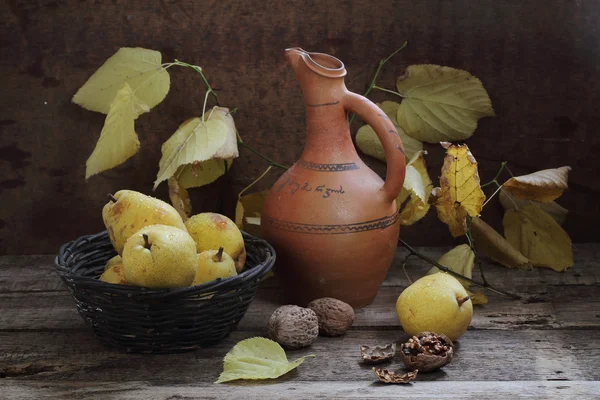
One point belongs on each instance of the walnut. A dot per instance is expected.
(293, 327)
(377, 354)
(427, 351)
(335, 316)
(388, 376)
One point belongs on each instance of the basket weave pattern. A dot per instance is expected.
(144, 320)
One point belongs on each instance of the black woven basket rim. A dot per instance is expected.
(66, 252)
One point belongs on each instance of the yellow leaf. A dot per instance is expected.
(477, 297)
(417, 185)
(441, 103)
(543, 186)
(248, 212)
(179, 198)
(368, 142)
(495, 246)
(197, 141)
(118, 140)
(538, 237)
(461, 260)
(461, 194)
(553, 208)
(257, 358)
(202, 173)
(140, 68)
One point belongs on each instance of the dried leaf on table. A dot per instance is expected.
(195, 142)
(543, 186)
(510, 202)
(377, 354)
(538, 237)
(461, 193)
(414, 196)
(141, 69)
(180, 199)
(388, 376)
(495, 246)
(368, 142)
(257, 358)
(460, 259)
(118, 140)
(441, 103)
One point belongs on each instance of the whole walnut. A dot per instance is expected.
(293, 327)
(335, 316)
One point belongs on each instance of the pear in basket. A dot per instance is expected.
(212, 231)
(129, 211)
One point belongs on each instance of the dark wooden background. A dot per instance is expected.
(538, 59)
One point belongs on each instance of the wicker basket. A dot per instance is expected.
(143, 320)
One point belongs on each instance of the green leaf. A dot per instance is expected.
(368, 142)
(118, 140)
(441, 103)
(140, 68)
(460, 259)
(196, 142)
(256, 358)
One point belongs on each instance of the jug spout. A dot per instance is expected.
(316, 72)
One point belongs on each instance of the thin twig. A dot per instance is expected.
(388, 91)
(377, 72)
(409, 255)
(469, 235)
(273, 163)
(456, 274)
(495, 180)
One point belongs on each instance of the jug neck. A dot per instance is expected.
(328, 138)
(321, 78)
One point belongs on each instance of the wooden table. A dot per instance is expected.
(544, 346)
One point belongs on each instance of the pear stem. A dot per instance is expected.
(112, 198)
(431, 261)
(463, 300)
(219, 256)
(146, 242)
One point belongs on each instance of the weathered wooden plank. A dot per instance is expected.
(480, 355)
(555, 306)
(36, 273)
(296, 390)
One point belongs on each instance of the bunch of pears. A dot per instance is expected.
(157, 249)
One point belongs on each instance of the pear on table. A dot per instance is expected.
(213, 264)
(435, 303)
(212, 231)
(160, 256)
(129, 211)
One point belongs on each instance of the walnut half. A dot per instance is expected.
(427, 351)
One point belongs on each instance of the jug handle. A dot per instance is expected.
(389, 138)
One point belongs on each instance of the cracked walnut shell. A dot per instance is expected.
(387, 376)
(427, 351)
(293, 327)
(377, 354)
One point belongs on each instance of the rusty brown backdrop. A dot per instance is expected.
(538, 59)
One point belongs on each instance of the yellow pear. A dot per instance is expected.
(113, 261)
(435, 303)
(114, 274)
(160, 256)
(213, 264)
(129, 211)
(211, 231)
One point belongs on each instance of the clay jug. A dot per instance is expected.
(332, 220)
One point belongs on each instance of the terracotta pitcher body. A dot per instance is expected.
(332, 220)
